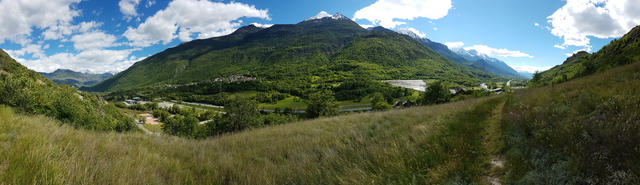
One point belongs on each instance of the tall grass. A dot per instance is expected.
(425, 145)
(584, 131)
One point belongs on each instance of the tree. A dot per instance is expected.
(322, 103)
(162, 114)
(180, 125)
(536, 77)
(378, 102)
(436, 93)
(241, 114)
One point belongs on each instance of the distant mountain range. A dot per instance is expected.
(324, 49)
(75, 79)
(525, 74)
(466, 57)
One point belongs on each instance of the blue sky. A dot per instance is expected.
(109, 36)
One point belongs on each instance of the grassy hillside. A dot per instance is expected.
(75, 79)
(413, 146)
(294, 58)
(580, 132)
(619, 52)
(34, 94)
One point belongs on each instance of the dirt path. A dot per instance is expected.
(141, 127)
(494, 144)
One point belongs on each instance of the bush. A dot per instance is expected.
(240, 114)
(436, 93)
(321, 103)
(120, 105)
(180, 126)
(379, 103)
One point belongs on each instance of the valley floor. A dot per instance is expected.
(581, 132)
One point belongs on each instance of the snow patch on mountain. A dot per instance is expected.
(324, 14)
(412, 32)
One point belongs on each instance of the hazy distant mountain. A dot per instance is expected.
(525, 74)
(75, 79)
(486, 63)
(286, 57)
(470, 58)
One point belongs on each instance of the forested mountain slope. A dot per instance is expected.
(326, 50)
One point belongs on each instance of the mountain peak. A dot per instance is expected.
(379, 28)
(576, 57)
(323, 15)
(409, 33)
(251, 28)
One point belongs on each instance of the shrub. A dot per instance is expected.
(436, 93)
(321, 103)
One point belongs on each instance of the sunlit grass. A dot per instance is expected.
(396, 147)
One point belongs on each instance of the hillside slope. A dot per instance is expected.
(581, 132)
(75, 79)
(584, 131)
(31, 93)
(313, 51)
(619, 52)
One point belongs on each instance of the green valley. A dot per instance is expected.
(530, 129)
(293, 59)
(222, 92)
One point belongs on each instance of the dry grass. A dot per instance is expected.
(396, 147)
(584, 131)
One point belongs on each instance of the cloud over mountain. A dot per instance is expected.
(578, 20)
(388, 13)
(192, 18)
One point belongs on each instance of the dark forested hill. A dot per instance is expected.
(325, 50)
(75, 79)
(31, 93)
(619, 52)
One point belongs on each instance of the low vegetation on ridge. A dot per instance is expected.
(33, 94)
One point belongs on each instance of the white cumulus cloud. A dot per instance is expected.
(200, 18)
(128, 8)
(91, 61)
(578, 20)
(497, 52)
(388, 13)
(34, 49)
(453, 45)
(93, 40)
(530, 69)
(20, 17)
